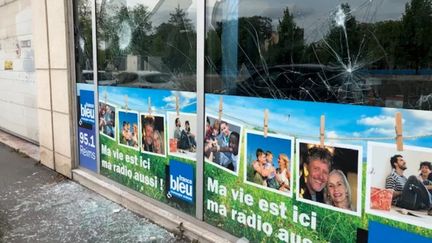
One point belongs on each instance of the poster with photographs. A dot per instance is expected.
(134, 143)
(182, 130)
(128, 130)
(398, 183)
(107, 120)
(334, 199)
(330, 176)
(153, 134)
(222, 143)
(268, 162)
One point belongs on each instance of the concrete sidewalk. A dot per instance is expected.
(39, 205)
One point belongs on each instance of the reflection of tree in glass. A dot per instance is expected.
(141, 27)
(128, 41)
(83, 37)
(288, 46)
(416, 37)
(345, 57)
(175, 42)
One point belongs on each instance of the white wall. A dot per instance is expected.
(379, 161)
(18, 92)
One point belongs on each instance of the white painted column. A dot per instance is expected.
(53, 74)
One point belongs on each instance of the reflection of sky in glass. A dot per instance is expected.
(162, 8)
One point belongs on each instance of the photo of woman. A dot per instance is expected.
(338, 190)
(157, 142)
(283, 174)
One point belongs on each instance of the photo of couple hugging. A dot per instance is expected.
(129, 134)
(326, 175)
(267, 161)
(221, 143)
(153, 134)
(128, 131)
(267, 175)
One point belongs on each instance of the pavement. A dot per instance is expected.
(40, 205)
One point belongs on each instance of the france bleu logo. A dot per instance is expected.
(87, 108)
(181, 181)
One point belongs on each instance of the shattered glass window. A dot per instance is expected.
(147, 43)
(371, 52)
(83, 41)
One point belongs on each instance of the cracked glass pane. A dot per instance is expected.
(147, 44)
(372, 52)
(83, 41)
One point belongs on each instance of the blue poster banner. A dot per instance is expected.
(181, 180)
(86, 128)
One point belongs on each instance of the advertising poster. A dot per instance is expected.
(287, 186)
(86, 126)
(149, 145)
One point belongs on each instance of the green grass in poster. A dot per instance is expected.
(331, 225)
(148, 177)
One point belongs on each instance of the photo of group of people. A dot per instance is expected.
(329, 176)
(181, 131)
(107, 119)
(182, 135)
(129, 129)
(221, 143)
(399, 183)
(267, 162)
(153, 134)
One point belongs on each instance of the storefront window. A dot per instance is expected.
(355, 52)
(147, 100)
(301, 103)
(146, 44)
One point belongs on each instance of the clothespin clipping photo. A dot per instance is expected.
(266, 122)
(322, 130)
(177, 105)
(220, 108)
(149, 107)
(399, 131)
(126, 102)
(106, 97)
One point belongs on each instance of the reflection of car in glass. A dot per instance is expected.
(304, 82)
(146, 79)
(105, 78)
